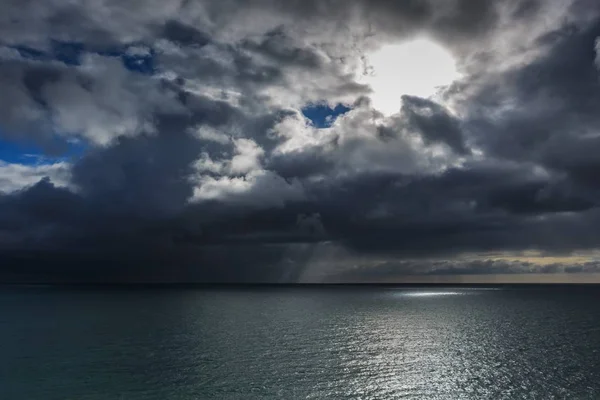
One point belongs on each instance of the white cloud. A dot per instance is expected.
(247, 157)
(210, 134)
(255, 187)
(15, 177)
(258, 189)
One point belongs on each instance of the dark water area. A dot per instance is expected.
(300, 343)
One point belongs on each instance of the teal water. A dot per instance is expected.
(329, 343)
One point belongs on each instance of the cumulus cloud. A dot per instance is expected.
(202, 163)
(15, 177)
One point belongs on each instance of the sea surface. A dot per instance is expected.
(300, 343)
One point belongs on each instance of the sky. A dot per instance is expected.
(300, 141)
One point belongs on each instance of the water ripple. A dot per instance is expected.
(339, 344)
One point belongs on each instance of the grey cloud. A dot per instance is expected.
(98, 23)
(21, 108)
(277, 46)
(97, 101)
(433, 122)
(301, 163)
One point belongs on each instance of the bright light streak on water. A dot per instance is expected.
(432, 294)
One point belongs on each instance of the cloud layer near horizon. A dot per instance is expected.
(199, 164)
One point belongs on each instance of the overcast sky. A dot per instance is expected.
(239, 141)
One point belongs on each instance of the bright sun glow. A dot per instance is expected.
(416, 68)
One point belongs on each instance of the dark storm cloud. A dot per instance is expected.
(201, 166)
(554, 98)
(145, 175)
(184, 35)
(552, 122)
(300, 164)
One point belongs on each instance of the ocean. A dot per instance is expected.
(300, 343)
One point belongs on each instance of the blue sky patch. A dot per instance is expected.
(67, 52)
(322, 116)
(31, 53)
(21, 152)
(140, 63)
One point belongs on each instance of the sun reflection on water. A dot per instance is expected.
(439, 292)
(432, 294)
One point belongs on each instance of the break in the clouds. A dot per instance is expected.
(301, 141)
